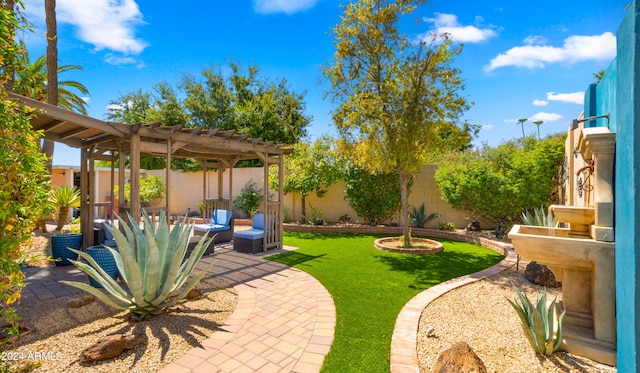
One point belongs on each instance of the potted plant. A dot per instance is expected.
(64, 198)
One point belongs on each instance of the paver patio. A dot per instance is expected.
(284, 320)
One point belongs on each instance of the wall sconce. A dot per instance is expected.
(574, 123)
(62, 173)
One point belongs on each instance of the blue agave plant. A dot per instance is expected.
(151, 263)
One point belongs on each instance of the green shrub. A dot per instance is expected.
(448, 226)
(249, 199)
(151, 264)
(537, 322)
(497, 183)
(151, 188)
(374, 197)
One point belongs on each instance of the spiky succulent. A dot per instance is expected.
(151, 263)
(537, 322)
(539, 218)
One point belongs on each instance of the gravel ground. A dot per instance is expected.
(63, 333)
(479, 314)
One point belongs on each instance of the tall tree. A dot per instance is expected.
(521, 121)
(31, 81)
(52, 70)
(538, 123)
(395, 96)
(246, 103)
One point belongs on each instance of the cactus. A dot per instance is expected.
(539, 218)
(151, 264)
(537, 322)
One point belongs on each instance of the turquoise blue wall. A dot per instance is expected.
(619, 94)
(616, 94)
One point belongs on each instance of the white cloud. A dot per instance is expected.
(106, 24)
(573, 98)
(487, 127)
(122, 60)
(540, 103)
(545, 117)
(575, 48)
(448, 23)
(282, 6)
(535, 40)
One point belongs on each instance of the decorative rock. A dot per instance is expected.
(111, 346)
(539, 274)
(474, 226)
(460, 358)
(80, 301)
(194, 294)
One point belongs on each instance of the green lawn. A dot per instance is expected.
(370, 287)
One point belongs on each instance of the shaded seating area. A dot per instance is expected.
(250, 240)
(221, 226)
(101, 235)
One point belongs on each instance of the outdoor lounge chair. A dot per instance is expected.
(101, 235)
(221, 225)
(250, 240)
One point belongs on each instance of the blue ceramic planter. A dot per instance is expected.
(105, 260)
(59, 248)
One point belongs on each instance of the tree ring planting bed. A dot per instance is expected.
(421, 245)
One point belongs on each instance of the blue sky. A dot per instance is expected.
(520, 59)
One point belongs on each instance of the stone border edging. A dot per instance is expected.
(404, 341)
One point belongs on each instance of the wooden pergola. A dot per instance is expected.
(212, 148)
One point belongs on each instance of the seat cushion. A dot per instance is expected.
(258, 221)
(222, 217)
(250, 234)
(210, 227)
(100, 223)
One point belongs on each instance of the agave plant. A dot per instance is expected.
(63, 198)
(537, 322)
(151, 264)
(419, 217)
(539, 218)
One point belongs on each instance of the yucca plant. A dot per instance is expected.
(539, 218)
(419, 217)
(537, 322)
(63, 198)
(151, 264)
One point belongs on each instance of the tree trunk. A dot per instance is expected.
(304, 209)
(52, 70)
(403, 180)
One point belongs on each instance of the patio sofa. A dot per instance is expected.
(221, 225)
(250, 240)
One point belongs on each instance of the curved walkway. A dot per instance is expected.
(404, 341)
(284, 320)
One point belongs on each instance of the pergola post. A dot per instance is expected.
(168, 179)
(134, 198)
(86, 226)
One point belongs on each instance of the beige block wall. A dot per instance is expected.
(186, 190)
(424, 189)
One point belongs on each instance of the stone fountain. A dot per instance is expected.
(581, 255)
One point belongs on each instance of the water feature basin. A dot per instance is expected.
(579, 218)
(586, 269)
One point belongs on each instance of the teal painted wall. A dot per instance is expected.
(618, 94)
(623, 97)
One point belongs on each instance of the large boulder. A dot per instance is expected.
(539, 274)
(460, 358)
(111, 346)
(474, 226)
